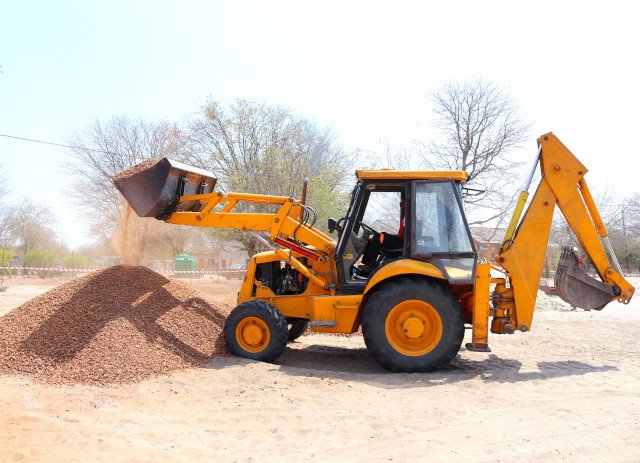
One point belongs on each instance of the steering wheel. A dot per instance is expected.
(340, 224)
(368, 228)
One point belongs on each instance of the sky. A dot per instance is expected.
(363, 68)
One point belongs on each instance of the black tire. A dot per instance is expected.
(256, 319)
(426, 352)
(297, 327)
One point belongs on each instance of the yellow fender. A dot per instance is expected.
(404, 267)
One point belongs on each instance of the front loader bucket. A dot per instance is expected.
(576, 287)
(153, 188)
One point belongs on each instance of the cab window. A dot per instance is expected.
(439, 223)
(383, 211)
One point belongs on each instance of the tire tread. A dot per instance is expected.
(401, 289)
(278, 330)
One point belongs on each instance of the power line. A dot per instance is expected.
(56, 144)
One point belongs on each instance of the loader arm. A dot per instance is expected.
(182, 195)
(285, 224)
(522, 256)
(285, 227)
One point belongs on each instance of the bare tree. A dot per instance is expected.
(4, 185)
(629, 222)
(621, 217)
(478, 125)
(257, 148)
(105, 149)
(6, 236)
(32, 226)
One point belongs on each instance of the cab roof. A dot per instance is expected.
(391, 174)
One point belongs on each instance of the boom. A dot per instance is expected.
(284, 226)
(180, 194)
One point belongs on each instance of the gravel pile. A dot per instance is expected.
(135, 169)
(119, 325)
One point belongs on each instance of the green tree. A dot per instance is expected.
(75, 260)
(257, 148)
(40, 258)
(6, 256)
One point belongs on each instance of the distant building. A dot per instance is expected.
(217, 260)
(488, 241)
(213, 255)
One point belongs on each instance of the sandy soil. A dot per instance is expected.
(567, 391)
(16, 294)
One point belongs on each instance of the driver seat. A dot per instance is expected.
(392, 254)
(355, 248)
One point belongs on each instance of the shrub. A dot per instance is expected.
(75, 261)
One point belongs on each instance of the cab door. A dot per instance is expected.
(439, 230)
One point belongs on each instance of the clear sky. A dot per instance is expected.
(362, 67)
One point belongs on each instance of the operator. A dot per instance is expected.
(380, 241)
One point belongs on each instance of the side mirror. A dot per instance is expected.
(332, 225)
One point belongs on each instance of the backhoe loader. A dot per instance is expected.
(414, 303)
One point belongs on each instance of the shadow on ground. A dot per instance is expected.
(356, 364)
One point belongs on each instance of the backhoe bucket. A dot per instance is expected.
(576, 287)
(154, 187)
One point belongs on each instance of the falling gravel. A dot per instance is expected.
(119, 325)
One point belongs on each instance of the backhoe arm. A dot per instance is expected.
(523, 256)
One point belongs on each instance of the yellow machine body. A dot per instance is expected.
(314, 254)
(339, 313)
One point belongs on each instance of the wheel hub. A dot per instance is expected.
(413, 327)
(252, 334)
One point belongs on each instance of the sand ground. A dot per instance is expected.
(567, 391)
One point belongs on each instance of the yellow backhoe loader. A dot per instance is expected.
(415, 295)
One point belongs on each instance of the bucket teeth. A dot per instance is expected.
(576, 287)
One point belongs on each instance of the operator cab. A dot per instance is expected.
(416, 215)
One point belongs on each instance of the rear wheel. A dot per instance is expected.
(413, 325)
(297, 327)
(256, 330)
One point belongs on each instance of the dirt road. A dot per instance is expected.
(567, 391)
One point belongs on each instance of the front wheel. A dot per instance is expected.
(256, 330)
(412, 325)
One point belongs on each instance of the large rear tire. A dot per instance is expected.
(413, 325)
(256, 330)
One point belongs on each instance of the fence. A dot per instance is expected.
(35, 270)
